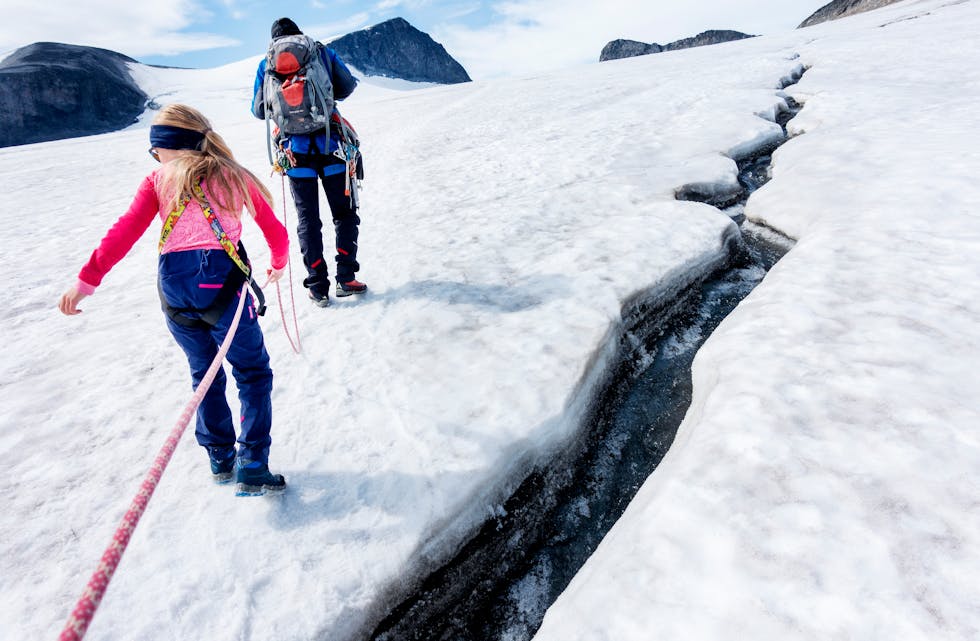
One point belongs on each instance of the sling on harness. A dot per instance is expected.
(207, 318)
(349, 152)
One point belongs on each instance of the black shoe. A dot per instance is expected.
(255, 479)
(350, 287)
(320, 300)
(222, 464)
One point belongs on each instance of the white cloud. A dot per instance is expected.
(234, 9)
(453, 10)
(333, 30)
(410, 5)
(128, 27)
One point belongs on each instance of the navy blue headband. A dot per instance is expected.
(169, 137)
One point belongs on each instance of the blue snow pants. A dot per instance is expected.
(309, 228)
(192, 279)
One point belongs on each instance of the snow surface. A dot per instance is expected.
(823, 484)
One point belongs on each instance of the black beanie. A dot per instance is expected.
(284, 27)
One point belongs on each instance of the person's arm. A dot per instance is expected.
(275, 233)
(344, 82)
(114, 246)
(258, 95)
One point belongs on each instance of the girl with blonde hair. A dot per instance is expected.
(199, 191)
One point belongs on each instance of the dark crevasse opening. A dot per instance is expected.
(501, 583)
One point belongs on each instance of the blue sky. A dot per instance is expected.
(489, 37)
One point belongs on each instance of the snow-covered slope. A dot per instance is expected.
(505, 223)
(825, 482)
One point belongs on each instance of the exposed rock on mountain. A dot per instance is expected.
(396, 49)
(712, 37)
(842, 9)
(50, 91)
(628, 48)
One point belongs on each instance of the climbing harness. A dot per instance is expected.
(348, 152)
(219, 232)
(192, 317)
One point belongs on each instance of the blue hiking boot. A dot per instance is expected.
(255, 479)
(222, 464)
(350, 287)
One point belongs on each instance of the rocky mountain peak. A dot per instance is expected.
(396, 49)
(50, 91)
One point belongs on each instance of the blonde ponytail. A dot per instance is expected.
(213, 163)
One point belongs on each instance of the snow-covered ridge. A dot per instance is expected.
(394, 48)
(222, 90)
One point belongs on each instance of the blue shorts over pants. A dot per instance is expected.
(192, 279)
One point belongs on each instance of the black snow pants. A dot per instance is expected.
(310, 228)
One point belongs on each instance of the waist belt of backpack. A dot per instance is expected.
(233, 281)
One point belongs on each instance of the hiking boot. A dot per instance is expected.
(350, 287)
(222, 464)
(255, 479)
(320, 300)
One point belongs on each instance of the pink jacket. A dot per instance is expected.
(191, 231)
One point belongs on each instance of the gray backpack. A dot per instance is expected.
(298, 89)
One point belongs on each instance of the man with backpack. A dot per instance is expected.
(296, 87)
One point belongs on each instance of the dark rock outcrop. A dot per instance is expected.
(396, 49)
(628, 48)
(711, 37)
(842, 9)
(50, 91)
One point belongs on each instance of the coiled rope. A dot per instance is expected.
(84, 610)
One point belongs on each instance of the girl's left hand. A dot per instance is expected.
(70, 300)
(274, 275)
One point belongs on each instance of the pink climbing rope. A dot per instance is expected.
(84, 610)
(297, 347)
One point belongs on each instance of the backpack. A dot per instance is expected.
(298, 88)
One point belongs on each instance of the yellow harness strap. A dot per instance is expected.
(215, 224)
